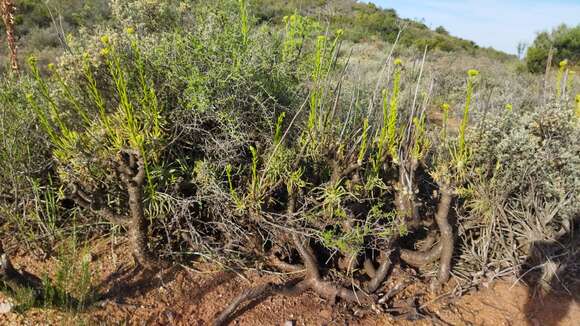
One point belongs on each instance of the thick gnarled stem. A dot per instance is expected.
(131, 170)
(442, 250)
(380, 274)
(315, 282)
(447, 239)
(421, 258)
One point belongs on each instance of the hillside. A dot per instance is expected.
(43, 28)
(366, 22)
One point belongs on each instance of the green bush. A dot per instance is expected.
(25, 161)
(206, 90)
(565, 42)
(524, 190)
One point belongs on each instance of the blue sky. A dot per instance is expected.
(497, 23)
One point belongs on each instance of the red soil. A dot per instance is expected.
(183, 296)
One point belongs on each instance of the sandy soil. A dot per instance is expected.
(187, 296)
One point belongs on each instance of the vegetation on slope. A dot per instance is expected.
(364, 22)
(44, 28)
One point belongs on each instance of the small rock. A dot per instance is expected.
(6, 307)
(290, 323)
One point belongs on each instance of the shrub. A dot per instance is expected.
(24, 161)
(182, 135)
(565, 42)
(144, 121)
(524, 191)
(441, 30)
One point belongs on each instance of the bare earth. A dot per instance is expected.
(180, 296)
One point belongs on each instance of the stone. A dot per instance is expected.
(6, 307)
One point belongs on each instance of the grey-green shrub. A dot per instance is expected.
(525, 188)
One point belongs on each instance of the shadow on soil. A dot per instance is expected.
(129, 283)
(553, 276)
(203, 289)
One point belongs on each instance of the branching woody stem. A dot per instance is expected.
(421, 258)
(380, 274)
(131, 170)
(447, 239)
(7, 7)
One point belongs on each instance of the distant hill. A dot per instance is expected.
(41, 27)
(366, 22)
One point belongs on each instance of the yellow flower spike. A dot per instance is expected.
(578, 106)
(559, 87)
(509, 107)
(130, 30)
(398, 62)
(105, 39)
(339, 32)
(445, 107)
(472, 72)
(105, 52)
(50, 66)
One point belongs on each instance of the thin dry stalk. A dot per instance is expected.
(8, 8)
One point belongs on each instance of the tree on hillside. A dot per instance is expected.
(441, 30)
(564, 40)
